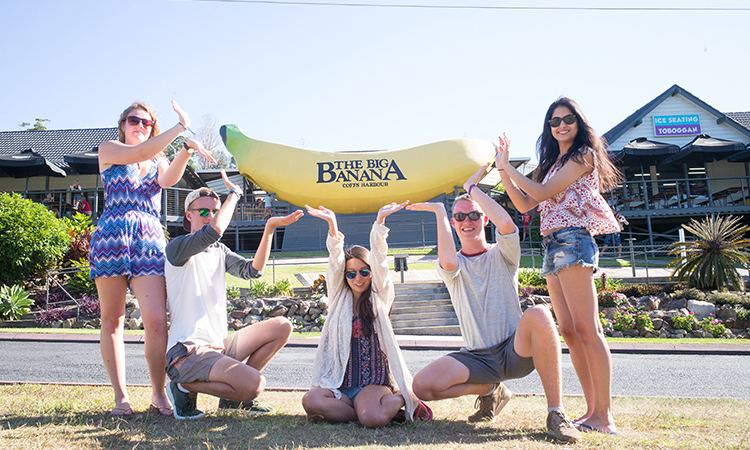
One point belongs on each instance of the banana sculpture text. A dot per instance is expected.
(356, 181)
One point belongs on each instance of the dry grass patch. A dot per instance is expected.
(77, 417)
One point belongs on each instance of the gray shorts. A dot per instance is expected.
(494, 364)
(188, 362)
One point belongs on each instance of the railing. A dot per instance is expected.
(680, 193)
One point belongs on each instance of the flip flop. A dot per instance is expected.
(588, 428)
(163, 410)
(120, 411)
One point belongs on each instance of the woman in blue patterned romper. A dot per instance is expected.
(128, 245)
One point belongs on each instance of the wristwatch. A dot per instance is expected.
(189, 149)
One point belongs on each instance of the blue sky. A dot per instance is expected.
(361, 78)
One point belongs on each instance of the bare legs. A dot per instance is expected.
(234, 380)
(151, 294)
(573, 297)
(536, 337)
(374, 406)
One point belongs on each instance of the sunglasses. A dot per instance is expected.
(474, 215)
(204, 211)
(554, 122)
(133, 121)
(352, 274)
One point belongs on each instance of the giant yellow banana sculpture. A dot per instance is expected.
(356, 181)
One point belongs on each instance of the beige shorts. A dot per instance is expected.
(188, 362)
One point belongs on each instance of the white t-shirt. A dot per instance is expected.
(484, 292)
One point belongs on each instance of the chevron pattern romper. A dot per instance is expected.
(129, 239)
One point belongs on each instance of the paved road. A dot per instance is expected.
(683, 375)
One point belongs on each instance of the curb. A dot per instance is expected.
(447, 343)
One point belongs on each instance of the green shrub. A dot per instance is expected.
(742, 313)
(258, 288)
(80, 231)
(685, 322)
(233, 292)
(531, 277)
(79, 281)
(713, 257)
(611, 299)
(690, 294)
(643, 320)
(623, 320)
(641, 290)
(724, 298)
(281, 287)
(14, 302)
(32, 239)
(713, 326)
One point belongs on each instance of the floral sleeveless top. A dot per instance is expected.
(579, 205)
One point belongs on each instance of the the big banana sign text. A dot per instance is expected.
(359, 181)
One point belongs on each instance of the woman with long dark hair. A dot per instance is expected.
(359, 372)
(573, 170)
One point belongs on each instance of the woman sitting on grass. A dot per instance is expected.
(358, 358)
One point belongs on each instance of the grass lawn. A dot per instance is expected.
(77, 417)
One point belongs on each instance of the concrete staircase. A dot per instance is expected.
(423, 309)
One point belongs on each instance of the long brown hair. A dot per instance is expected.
(548, 149)
(364, 306)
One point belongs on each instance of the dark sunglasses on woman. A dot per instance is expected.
(134, 121)
(474, 215)
(554, 122)
(352, 274)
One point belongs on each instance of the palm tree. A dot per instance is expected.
(711, 260)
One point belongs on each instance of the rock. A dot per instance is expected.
(726, 312)
(237, 314)
(291, 311)
(67, 323)
(630, 333)
(314, 312)
(617, 334)
(653, 302)
(323, 303)
(674, 304)
(700, 334)
(700, 309)
(303, 308)
(135, 314)
(277, 311)
(255, 311)
(134, 324)
(252, 320)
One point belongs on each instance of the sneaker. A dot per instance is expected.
(253, 407)
(561, 429)
(490, 405)
(184, 405)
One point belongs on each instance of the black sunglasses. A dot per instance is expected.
(474, 215)
(554, 122)
(134, 121)
(204, 211)
(352, 274)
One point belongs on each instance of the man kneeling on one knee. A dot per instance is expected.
(202, 357)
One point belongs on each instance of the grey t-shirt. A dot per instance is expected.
(484, 292)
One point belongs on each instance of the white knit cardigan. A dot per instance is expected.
(335, 340)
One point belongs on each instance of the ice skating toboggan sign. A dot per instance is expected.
(357, 181)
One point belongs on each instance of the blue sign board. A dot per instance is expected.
(688, 125)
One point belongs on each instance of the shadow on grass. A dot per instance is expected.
(148, 430)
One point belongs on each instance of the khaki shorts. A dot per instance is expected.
(188, 362)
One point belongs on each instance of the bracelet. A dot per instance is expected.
(234, 191)
(188, 148)
(183, 125)
(472, 185)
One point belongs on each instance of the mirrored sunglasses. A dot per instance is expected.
(474, 215)
(134, 121)
(352, 274)
(554, 122)
(204, 211)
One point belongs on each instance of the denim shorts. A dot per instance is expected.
(567, 247)
(612, 239)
